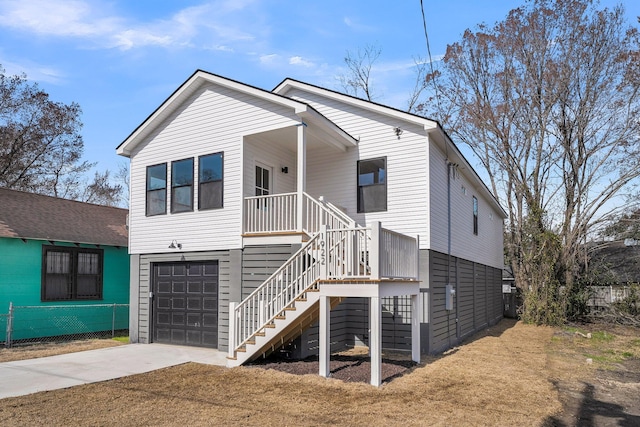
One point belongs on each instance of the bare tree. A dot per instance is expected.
(357, 80)
(101, 191)
(549, 101)
(41, 146)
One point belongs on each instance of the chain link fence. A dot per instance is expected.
(55, 323)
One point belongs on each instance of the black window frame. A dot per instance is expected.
(475, 215)
(202, 182)
(74, 276)
(175, 186)
(150, 191)
(361, 188)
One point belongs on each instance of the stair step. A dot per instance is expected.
(301, 299)
(250, 342)
(280, 317)
(241, 350)
(259, 334)
(289, 309)
(232, 358)
(270, 325)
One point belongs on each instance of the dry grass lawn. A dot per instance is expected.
(499, 378)
(53, 349)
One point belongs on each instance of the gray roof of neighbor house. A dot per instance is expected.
(34, 216)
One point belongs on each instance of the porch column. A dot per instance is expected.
(324, 350)
(415, 328)
(301, 173)
(375, 340)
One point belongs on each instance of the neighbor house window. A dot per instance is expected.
(475, 215)
(157, 189)
(182, 185)
(372, 185)
(210, 181)
(71, 273)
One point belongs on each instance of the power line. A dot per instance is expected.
(426, 36)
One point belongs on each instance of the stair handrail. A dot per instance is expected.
(336, 218)
(259, 313)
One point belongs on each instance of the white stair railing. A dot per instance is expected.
(295, 277)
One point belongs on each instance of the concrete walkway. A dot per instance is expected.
(67, 370)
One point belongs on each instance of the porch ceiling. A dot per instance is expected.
(288, 137)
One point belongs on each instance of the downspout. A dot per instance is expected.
(449, 165)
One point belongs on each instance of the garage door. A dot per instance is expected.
(185, 303)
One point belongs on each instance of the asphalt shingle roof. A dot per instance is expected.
(34, 216)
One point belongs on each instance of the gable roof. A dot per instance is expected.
(336, 135)
(35, 216)
(432, 127)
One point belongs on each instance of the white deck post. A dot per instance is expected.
(325, 316)
(374, 250)
(415, 328)
(375, 340)
(232, 329)
(301, 174)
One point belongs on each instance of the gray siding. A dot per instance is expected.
(260, 262)
(477, 303)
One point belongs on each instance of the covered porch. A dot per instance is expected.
(276, 203)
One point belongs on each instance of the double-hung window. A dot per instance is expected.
(210, 181)
(71, 273)
(182, 185)
(372, 185)
(157, 189)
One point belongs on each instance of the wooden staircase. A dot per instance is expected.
(287, 303)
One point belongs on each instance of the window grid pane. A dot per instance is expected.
(71, 273)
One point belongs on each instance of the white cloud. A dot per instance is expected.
(218, 23)
(354, 25)
(34, 72)
(270, 59)
(298, 60)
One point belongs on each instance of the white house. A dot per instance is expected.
(306, 219)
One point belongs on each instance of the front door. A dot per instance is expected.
(264, 175)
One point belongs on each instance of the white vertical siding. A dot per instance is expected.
(333, 173)
(214, 119)
(486, 247)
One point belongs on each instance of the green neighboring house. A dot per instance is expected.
(57, 255)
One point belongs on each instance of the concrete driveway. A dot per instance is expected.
(67, 370)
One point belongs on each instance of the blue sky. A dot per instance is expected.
(120, 59)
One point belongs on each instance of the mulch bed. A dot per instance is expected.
(344, 367)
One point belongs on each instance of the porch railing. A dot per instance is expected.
(271, 214)
(354, 253)
(278, 213)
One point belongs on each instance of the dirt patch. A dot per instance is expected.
(596, 369)
(52, 349)
(511, 374)
(349, 366)
(498, 378)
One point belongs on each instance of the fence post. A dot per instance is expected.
(7, 342)
(113, 321)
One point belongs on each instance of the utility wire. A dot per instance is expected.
(426, 36)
